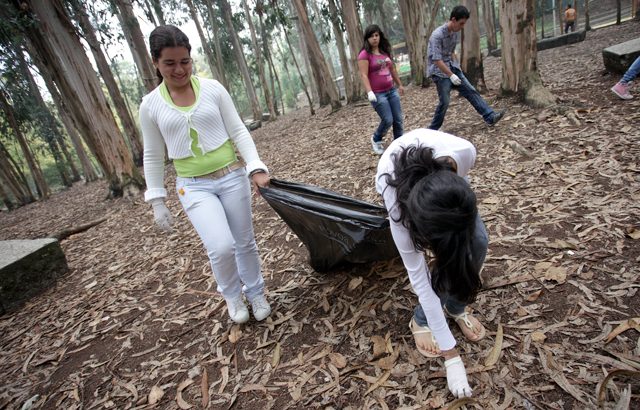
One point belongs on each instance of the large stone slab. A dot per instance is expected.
(28, 267)
(618, 58)
(553, 42)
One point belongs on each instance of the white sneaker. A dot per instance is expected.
(238, 310)
(378, 148)
(260, 307)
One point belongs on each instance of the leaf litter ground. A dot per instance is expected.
(136, 323)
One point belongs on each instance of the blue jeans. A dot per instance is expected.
(632, 72)
(479, 246)
(390, 112)
(466, 90)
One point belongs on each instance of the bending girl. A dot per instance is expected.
(422, 178)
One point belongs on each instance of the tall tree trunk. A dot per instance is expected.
(205, 44)
(130, 129)
(15, 180)
(62, 53)
(489, 24)
(471, 57)
(587, 18)
(344, 60)
(519, 69)
(304, 52)
(157, 7)
(4, 196)
(315, 54)
(147, 11)
(135, 39)
(34, 167)
(418, 19)
(242, 63)
(618, 12)
(266, 44)
(323, 46)
(636, 9)
(293, 56)
(259, 61)
(355, 37)
(216, 44)
(75, 175)
(87, 167)
(50, 130)
(384, 24)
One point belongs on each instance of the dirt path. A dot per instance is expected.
(137, 318)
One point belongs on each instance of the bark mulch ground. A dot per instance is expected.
(137, 323)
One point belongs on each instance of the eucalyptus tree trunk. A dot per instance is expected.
(471, 57)
(489, 24)
(216, 44)
(63, 111)
(205, 44)
(355, 37)
(52, 134)
(242, 63)
(519, 68)
(587, 16)
(63, 56)
(135, 39)
(4, 196)
(418, 19)
(315, 54)
(14, 179)
(36, 172)
(304, 84)
(259, 61)
(618, 13)
(323, 46)
(131, 132)
(344, 60)
(157, 7)
(266, 44)
(149, 13)
(384, 24)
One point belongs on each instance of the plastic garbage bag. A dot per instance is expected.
(336, 229)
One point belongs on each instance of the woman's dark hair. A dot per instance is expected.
(384, 44)
(166, 36)
(439, 210)
(459, 13)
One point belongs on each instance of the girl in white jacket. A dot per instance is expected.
(195, 119)
(422, 178)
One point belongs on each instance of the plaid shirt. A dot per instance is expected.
(442, 43)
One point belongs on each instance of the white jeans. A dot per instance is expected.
(220, 211)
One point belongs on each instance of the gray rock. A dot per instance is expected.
(618, 58)
(28, 267)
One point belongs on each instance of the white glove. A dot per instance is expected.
(161, 214)
(455, 79)
(372, 97)
(457, 378)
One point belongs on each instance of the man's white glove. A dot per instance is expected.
(161, 214)
(372, 97)
(455, 79)
(457, 378)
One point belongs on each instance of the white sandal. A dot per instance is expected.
(464, 317)
(422, 330)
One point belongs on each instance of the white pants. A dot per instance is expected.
(220, 211)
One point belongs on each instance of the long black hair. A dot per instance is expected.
(439, 210)
(166, 36)
(384, 44)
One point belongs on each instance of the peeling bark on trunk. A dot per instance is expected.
(344, 60)
(489, 24)
(259, 61)
(36, 172)
(216, 44)
(135, 39)
(130, 129)
(14, 178)
(355, 37)
(57, 46)
(418, 19)
(203, 40)
(242, 63)
(519, 71)
(471, 57)
(315, 54)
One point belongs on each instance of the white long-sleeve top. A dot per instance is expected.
(213, 116)
(444, 145)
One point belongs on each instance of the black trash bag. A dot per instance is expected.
(336, 229)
